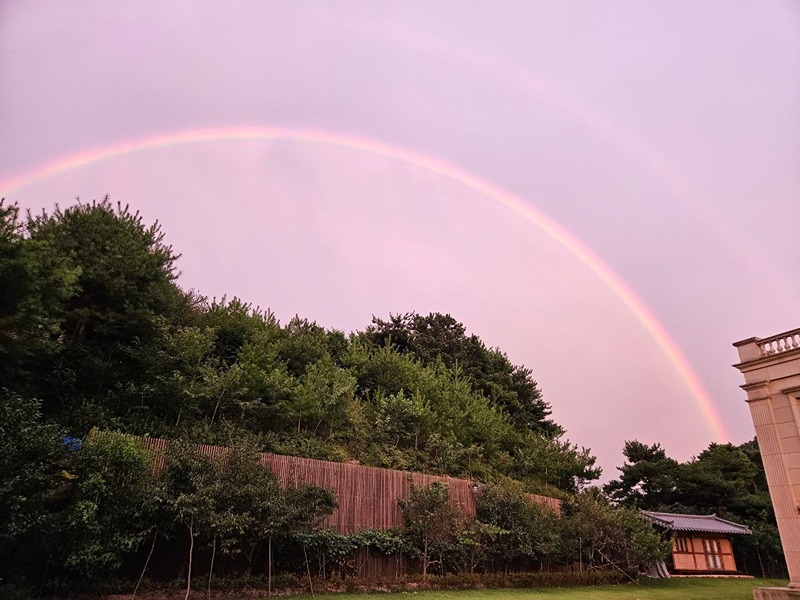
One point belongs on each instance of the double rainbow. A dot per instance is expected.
(427, 163)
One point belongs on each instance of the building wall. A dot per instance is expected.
(695, 558)
(771, 369)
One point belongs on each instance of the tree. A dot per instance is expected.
(431, 522)
(402, 420)
(325, 400)
(717, 479)
(530, 531)
(31, 456)
(36, 281)
(438, 337)
(234, 324)
(251, 508)
(303, 343)
(553, 462)
(104, 519)
(189, 486)
(648, 480)
(125, 285)
(246, 501)
(612, 536)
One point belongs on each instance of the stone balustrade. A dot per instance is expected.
(783, 342)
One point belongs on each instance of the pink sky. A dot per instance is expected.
(665, 137)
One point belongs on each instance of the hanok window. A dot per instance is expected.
(682, 544)
(713, 554)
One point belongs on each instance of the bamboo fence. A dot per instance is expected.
(367, 496)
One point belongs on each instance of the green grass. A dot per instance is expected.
(672, 589)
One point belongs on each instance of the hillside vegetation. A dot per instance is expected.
(96, 327)
(97, 334)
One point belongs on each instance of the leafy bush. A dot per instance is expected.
(105, 517)
(10, 591)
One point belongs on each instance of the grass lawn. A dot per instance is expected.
(660, 589)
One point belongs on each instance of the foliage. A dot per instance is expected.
(99, 330)
(440, 338)
(431, 522)
(104, 518)
(530, 532)
(247, 504)
(610, 535)
(10, 591)
(95, 334)
(230, 499)
(36, 281)
(648, 480)
(334, 553)
(124, 286)
(31, 456)
(553, 462)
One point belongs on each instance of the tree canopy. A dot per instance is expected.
(98, 329)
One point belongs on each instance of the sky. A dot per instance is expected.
(608, 191)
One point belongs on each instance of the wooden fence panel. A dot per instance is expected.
(367, 496)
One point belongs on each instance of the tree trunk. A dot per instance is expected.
(146, 564)
(216, 407)
(308, 570)
(44, 577)
(211, 569)
(191, 553)
(248, 572)
(269, 567)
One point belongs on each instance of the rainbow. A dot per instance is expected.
(427, 163)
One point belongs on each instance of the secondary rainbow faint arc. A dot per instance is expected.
(432, 165)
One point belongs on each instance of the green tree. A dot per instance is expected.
(530, 531)
(612, 536)
(249, 506)
(553, 462)
(438, 337)
(234, 324)
(648, 479)
(716, 479)
(189, 486)
(325, 401)
(431, 522)
(246, 501)
(36, 281)
(402, 420)
(31, 457)
(104, 520)
(125, 286)
(303, 343)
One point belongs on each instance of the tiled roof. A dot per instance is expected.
(699, 523)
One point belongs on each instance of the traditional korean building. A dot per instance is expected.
(701, 545)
